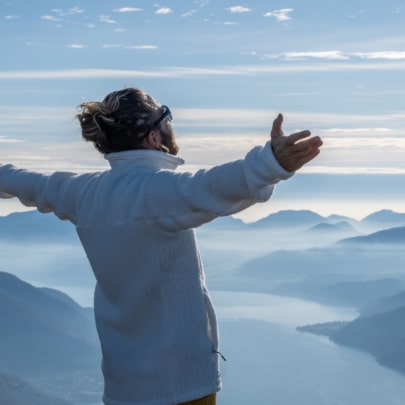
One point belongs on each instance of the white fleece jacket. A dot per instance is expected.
(154, 316)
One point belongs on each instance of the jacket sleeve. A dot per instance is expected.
(222, 190)
(48, 193)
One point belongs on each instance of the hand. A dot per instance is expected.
(292, 152)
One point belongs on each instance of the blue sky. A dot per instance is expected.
(226, 69)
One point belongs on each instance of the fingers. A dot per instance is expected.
(293, 138)
(293, 151)
(276, 129)
(314, 142)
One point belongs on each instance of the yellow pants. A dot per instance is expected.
(209, 400)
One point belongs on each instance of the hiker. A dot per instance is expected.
(154, 315)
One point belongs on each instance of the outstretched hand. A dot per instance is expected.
(293, 151)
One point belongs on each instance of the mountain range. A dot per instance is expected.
(380, 333)
(46, 339)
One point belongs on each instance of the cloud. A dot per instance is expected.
(147, 47)
(179, 71)
(239, 9)
(106, 19)
(127, 10)
(329, 55)
(11, 17)
(164, 10)
(200, 3)
(189, 13)
(70, 11)
(280, 15)
(4, 139)
(230, 23)
(50, 18)
(360, 147)
(107, 46)
(391, 55)
(337, 55)
(77, 46)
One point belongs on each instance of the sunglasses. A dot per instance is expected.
(165, 114)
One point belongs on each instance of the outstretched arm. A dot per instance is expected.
(293, 151)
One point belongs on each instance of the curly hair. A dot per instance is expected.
(120, 122)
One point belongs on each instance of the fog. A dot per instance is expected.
(267, 278)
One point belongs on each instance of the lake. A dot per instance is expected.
(269, 362)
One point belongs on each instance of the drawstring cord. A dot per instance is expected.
(220, 354)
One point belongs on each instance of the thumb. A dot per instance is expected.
(276, 129)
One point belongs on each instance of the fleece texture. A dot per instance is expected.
(154, 315)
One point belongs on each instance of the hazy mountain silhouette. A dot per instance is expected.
(383, 335)
(43, 330)
(62, 337)
(336, 274)
(393, 236)
(385, 217)
(379, 330)
(48, 340)
(14, 391)
(341, 218)
(384, 304)
(340, 226)
(290, 219)
(35, 227)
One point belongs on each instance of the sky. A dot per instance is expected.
(225, 68)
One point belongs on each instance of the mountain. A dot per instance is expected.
(48, 340)
(383, 335)
(35, 227)
(351, 272)
(340, 226)
(358, 294)
(385, 304)
(43, 330)
(385, 218)
(14, 391)
(341, 218)
(393, 237)
(290, 219)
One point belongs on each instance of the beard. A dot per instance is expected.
(169, 144)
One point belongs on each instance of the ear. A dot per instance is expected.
(152, 140)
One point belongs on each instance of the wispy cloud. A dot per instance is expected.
(189, 13)
(4, 139)
(354, 148)
(239, 9)
(68, 12)
(11, 17)
(50, 18)
(77, 46)
(393, 55)
(164, 10)
(127, 10)
(109, 46)
(106, 19)
(280, 15)
(179, 71)
(337, 55)
(147, 47)
(200, 3)
(328, 55)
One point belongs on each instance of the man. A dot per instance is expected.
(154, 316)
